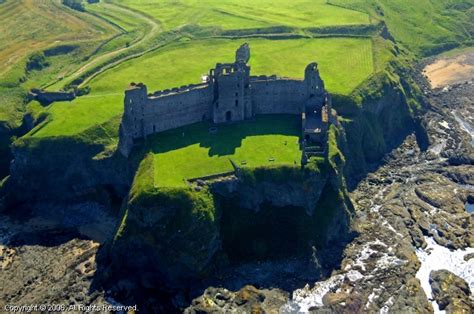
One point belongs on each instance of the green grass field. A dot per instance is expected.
(423, 26)
(33, 25)
(118, 29)
(344, 64)
(242, 14)
(70, 118)
(192, 151)
(30, 26)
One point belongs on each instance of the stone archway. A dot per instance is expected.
(228, 116)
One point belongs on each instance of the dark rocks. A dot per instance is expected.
(65, 170)
(246, 300)
(174, 235)
(331, 299)
(38, 266)
(451, 292)
(289, 193)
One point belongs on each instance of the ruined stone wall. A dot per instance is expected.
(230, 94)
(272, 95)
(47, 98)
(174, 109)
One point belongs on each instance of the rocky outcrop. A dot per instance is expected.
(51, 259)
(264, 214)
(5, 154)
(175, 234)
(63, 169)
(451, 292)
(250, 193)
(247, 300)
(378, 116)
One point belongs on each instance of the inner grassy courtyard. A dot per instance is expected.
(195, 151)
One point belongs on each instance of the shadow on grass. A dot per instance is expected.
(227, 138)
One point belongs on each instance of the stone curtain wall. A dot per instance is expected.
(230, 95)
(272, 96)
(177, 109)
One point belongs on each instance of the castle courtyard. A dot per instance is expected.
(193, 151)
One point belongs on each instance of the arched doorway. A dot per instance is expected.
(228, 116)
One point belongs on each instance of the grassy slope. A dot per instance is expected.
(140, 33)
(43, 23)
(423, 26)
(242, 14)
(28, 26)
(192, 151)
(344, 64)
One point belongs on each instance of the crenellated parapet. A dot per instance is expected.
(228, 94)
(177, 90)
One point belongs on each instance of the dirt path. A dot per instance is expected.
(450, 70)
(45, 24)
(154, 29)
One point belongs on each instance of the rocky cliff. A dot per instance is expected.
(66, 169)
(169, 240)
(376, 118)
(5, 153)
(183, 235)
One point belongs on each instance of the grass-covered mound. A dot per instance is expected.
(174, 230)
(184, 232)
(241, 14)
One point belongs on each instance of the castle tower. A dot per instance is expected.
(231, 85)
(314, 83)
(132, 118)
(317, 107)
(243, 53)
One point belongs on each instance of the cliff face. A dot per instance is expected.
(379, 117)
(267, 213)
(5, 154)
(63, 169)
(174, 234)
(278, 186)
(179, 236)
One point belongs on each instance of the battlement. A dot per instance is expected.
(272, 78)
(228, 94)
(177, 90)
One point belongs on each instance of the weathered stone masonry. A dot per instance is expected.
(229, 94)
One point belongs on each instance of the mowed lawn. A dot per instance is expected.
(70, 118)
(344, 63)
(193, 151)
(244, 14)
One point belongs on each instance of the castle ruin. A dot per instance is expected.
(228, 94)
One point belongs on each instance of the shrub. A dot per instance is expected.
(75, 5)
(36, 61)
